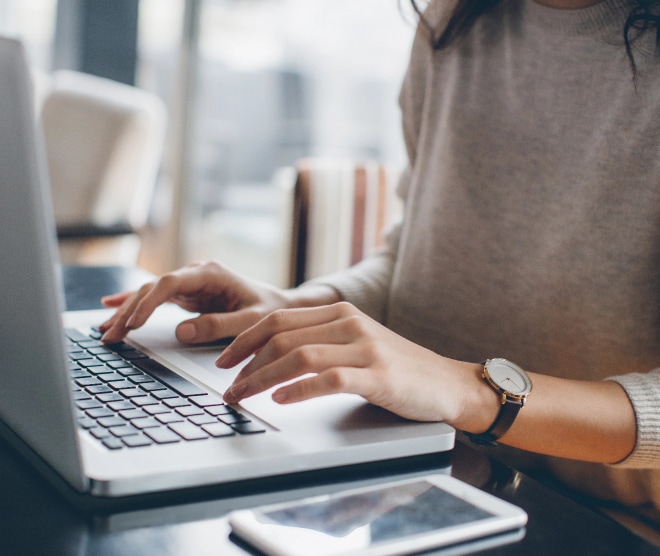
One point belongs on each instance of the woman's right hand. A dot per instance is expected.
(228, 302)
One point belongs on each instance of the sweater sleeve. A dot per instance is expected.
(643, 389)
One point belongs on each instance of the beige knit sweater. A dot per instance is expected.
(532, 222)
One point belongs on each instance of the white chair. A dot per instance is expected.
(104, 143)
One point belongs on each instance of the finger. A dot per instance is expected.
(212, 327)
(278, 322)
(304, 360)
(162, 291)
(115, 300)
(304, 343)
(153, 295)
(115, 318)
(333, 381)
(118, 325)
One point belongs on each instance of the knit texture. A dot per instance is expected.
(532, 219)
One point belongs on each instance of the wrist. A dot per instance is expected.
(481, 404)
(312, 295)
(512, 385)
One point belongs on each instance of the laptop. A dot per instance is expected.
(52, 391)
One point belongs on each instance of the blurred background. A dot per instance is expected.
(249, 88)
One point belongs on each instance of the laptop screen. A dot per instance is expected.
(35, 398)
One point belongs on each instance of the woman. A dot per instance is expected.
(530, 233)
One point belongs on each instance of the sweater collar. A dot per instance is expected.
(599, 18)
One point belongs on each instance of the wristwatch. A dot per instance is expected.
(513, 385)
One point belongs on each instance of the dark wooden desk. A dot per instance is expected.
(35, 519)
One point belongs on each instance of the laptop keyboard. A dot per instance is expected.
(124, 399)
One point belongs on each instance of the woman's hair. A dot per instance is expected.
(642, 17)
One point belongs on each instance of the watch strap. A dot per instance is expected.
(503, 421)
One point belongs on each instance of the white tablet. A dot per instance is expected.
(393, 518)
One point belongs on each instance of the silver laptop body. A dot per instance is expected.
(36, 403)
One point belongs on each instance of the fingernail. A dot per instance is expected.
(186, 332)
(130, 323)
(224, 359)
(280, 396)
(235, 393)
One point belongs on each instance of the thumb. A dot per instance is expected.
(212, 327)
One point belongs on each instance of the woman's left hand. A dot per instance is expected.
(346, 351)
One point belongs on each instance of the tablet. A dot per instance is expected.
(399, 517)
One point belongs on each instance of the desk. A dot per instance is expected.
(36, 520)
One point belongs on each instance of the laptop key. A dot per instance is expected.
(142, 401)
(119, 364)
(113, 443)
(133, 354)
(132, 414)
(218, 410)
(164, 394)
(188, 431)
(91, 344)
(81, 395)
(121, 404)
(100, 412)
(156, 409)
(206, 400)
(145, 380)
(96, 334)
(176, 402)
(137, 441)
(88, 362)
(87, 422)
(131, 392)
(105, 357)
(145, 423)
(162, 435)
(75, 335)
(100, 433)
(106, 398)
(173, 380)
(120, 384)
(96, 350)
(88, 381)
(150, 386)
(167, 418)
(218, 430)
(189, 410)
(126, 430)
(111, 376)
(233, 418)
(99, 370)
(102, 389)
(202, 419)
(88, 404)
(113, 421)
(248, 428)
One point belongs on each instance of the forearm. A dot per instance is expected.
(590, 421)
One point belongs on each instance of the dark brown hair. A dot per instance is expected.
(642, 17)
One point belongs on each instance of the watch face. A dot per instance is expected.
(509, 377)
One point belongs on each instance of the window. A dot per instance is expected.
(276, 80)
(34, 22)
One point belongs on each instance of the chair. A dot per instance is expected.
(340, 212)
(104, 142)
